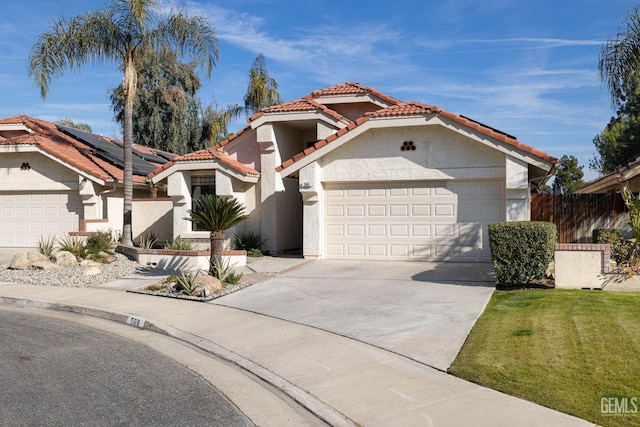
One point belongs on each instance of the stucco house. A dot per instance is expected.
(347, 172)
(56, 180)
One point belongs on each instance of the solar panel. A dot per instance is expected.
(113, 152)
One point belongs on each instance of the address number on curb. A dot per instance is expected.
(138, 322)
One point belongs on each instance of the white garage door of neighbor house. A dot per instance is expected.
(418, 221)
(24, 218)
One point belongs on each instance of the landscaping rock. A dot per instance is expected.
(110, 258)
(20, 261)
(64, 258)
(44, 265)
(89, 263)
(208, 284)
(34, 256)
(92, 271)
(24, 260)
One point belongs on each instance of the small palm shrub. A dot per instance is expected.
(179, 244)
(73, 244)
(216, 214)
(248, 240)
(147, 240)
(521, 251)
(46, 245)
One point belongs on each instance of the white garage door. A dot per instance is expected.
(420, 221)
(26, 217)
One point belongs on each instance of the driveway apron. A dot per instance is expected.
(421, 310)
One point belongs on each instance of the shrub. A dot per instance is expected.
(100, 242)
(521, 251)
(620, 250)
(73, 244)
(179, 244)
(248, 240)
(254, 253)
(46, 245)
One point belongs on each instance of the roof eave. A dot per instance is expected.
(205, 164)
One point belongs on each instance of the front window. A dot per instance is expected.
(201, 184)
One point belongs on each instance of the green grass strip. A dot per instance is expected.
(574, 351)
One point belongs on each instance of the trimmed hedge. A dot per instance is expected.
(521, 251)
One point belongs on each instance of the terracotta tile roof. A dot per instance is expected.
(351, 88)
(209, 154)
(59, 145)
(232, 137)
(299, 106)
(413, 108)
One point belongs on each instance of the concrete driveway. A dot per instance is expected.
(421, 310)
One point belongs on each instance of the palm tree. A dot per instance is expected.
(620, 57)
(120, 33)
(263, 89)
(218, 119)
(216, 214)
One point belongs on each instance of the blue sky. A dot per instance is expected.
(527, 67)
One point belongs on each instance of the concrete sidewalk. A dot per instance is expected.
(342, 381)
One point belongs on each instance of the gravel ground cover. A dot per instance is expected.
(70, 276)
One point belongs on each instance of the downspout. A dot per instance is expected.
(112, 189)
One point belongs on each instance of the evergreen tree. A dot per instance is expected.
(167, 115)
(569, 175)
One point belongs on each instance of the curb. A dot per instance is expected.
(320, 409)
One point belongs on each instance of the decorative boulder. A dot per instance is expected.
(64, 258)
(207, 285)
(24, 260)
(34, 256)
(20, 261)
(44, 265)
(109, 257)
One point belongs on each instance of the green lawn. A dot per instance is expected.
(560, 348)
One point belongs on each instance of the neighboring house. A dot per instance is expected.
(347, 172)
(613, 182)
(55, 180)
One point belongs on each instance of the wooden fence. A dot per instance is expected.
(577, 215)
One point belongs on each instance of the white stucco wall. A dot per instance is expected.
(45, 174)
(154, 215)
(245, 149)
(518, 199)
(313, 220)
(440, 154)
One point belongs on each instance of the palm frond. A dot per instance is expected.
(216, 214)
